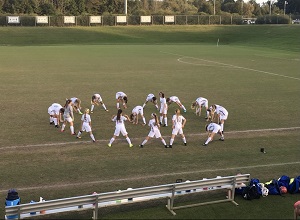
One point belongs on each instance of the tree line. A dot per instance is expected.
(148, 7)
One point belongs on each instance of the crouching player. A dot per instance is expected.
(213, 129)
(55, 114)
(175, 99)
(86, 124)
(199, 104)
(96, 100)
(134, 116)
(76, 104)
(121, 97)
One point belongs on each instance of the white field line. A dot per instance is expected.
(289, 59)
(151, 176)
(229, 65)
(199, 134)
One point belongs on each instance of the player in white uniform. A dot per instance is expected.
(222, 114)
(213, 129)
(76, 103)
(134, 116)
(55, 114)
(178, 123)
(151, 98)
(163, 109)
(121, 97)
(68, 117)
(120, 127)
(86, 124)
(199, 104)
(96, 100)
(175, 99)
(154, 131)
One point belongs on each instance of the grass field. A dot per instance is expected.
(253, 73)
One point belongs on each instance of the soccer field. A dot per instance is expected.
(259, 86)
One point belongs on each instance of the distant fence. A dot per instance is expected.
(114, 20)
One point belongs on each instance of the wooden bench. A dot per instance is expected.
(96, 201)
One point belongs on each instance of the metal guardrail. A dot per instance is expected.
(96, 201)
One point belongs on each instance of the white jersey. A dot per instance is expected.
(202, 101)
(97, 97)
(178, 120)
(120, 94)
(138, 110)
(150, 97)
(221, 110)
(54, 109)
(214, 128)
(73, 100)
(85, 118)
(174, 99)
(119, 122)
(68, 112)
(163, 106)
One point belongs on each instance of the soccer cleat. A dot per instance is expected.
(141, 146)
(170, 146)
(221, 139)
(165, 125)
(206, 117)
(144, 124)
(78, 137)
(94, 141)
(130, 145)
(52, 123)
(106, 110)
(184, 144)
(160, 123)
(91, 112)
(166, 146)
(62, 130)
(57, 126)
(204, 144)
(73, 133)
(80, 113)
(109, 145)
(184, 110)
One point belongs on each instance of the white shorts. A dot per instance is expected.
(86, 127)
(205, 104)
(68, 119)
(155, 133)
(223, 117)
(120, 128)
(165, 111)
(177, 130)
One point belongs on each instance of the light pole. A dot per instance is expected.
(214, 7)
(125, 6)
(270, 7)
(285, 3)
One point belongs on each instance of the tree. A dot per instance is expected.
(46, 9)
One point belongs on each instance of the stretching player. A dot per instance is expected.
(222, 115)
(96, 100)
(68, 117)
(121, 97)
(134, 116)
(86, 124)
(55, 114)
(120, 127)
(76, 103)
(154, 131)
(175, 99)
(213, 129)
(163, 109)
(178, 122)
(151, 98)
(199, 104)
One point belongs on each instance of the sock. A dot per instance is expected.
(104, 106)
(144, 142)
(197, 110)
(184, 140)
(183, 108)
(144, 120)
(118, 105)
(208, 140)
(79, 111)
(160, 119)
(92, 108)
(156, 107)
(163, 141)
(92, 136)
(166, 121)
(222, 127)
(111, 140)
(144, 105)
(63, 127)
(128, 140)
(72, 129)
(207, 113)
(51, 119)
(55, 121)
(171, 141)
(79, 133)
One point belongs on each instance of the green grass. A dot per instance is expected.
(254, 73)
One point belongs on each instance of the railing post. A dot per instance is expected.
(95, 212)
